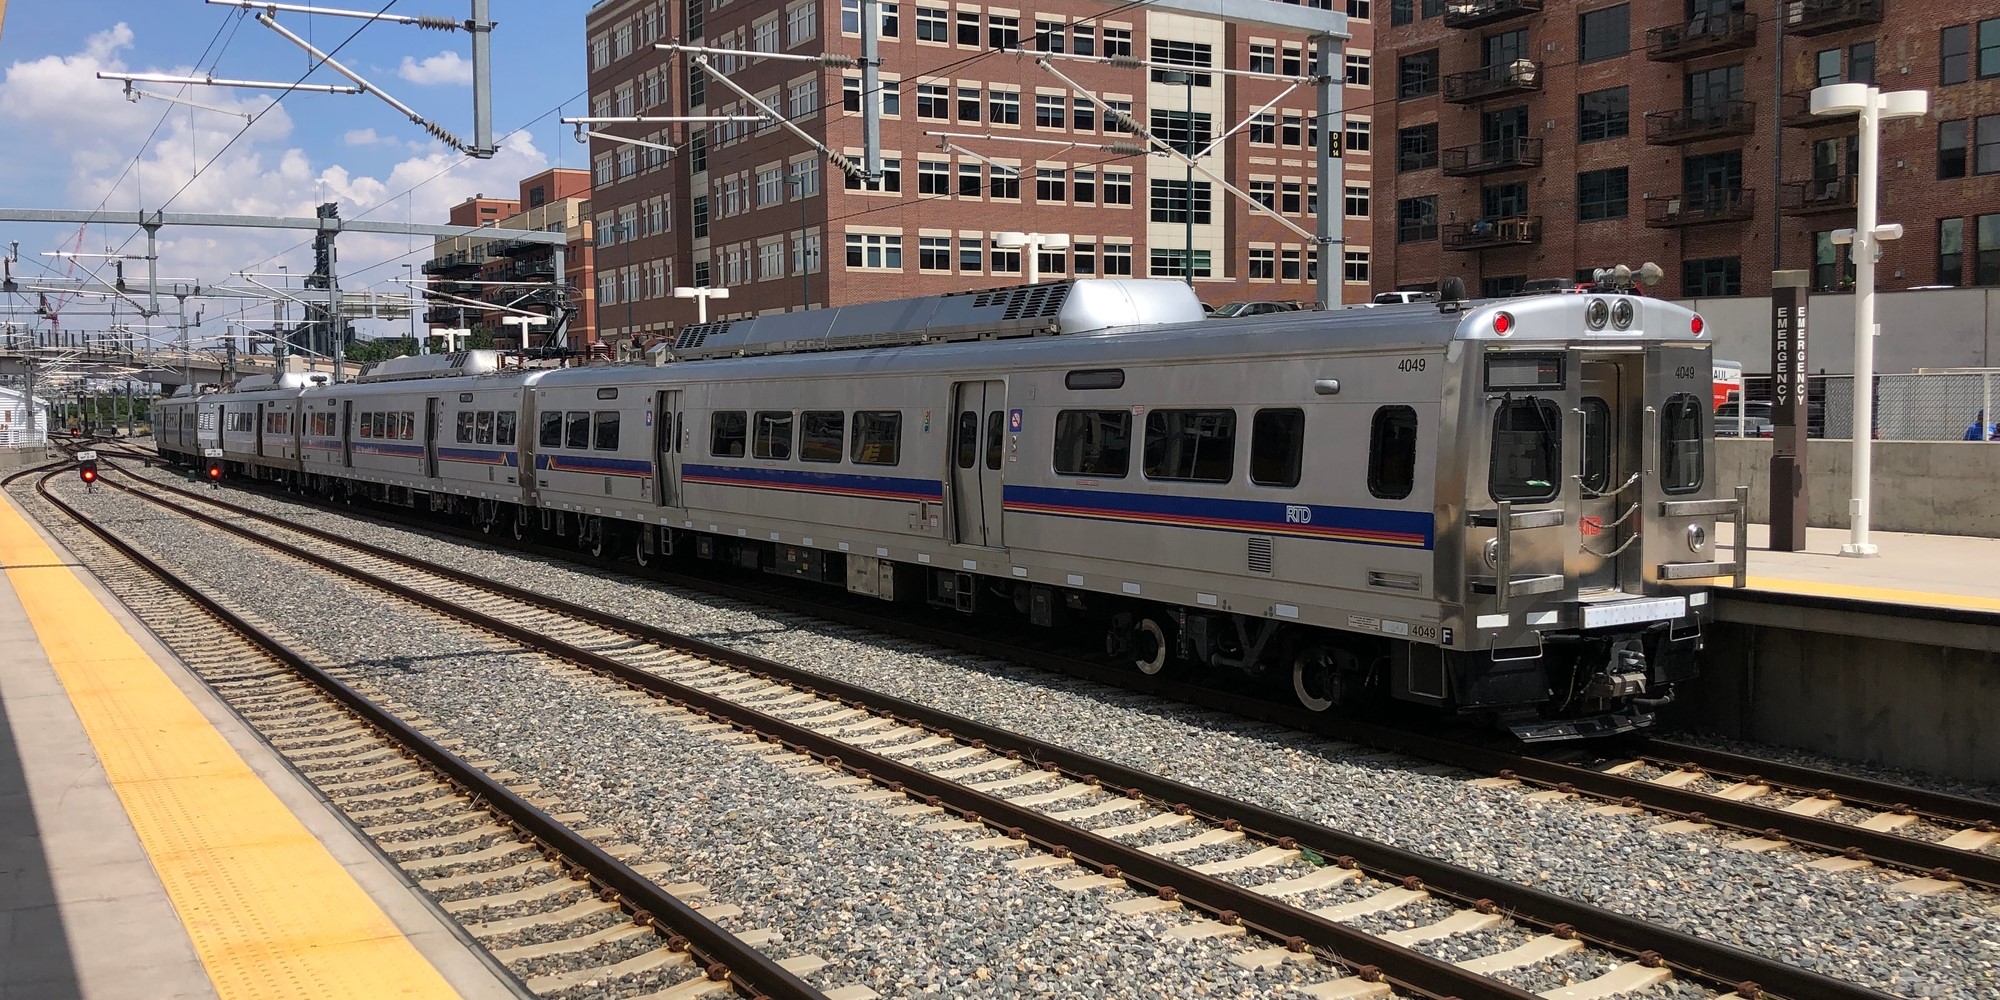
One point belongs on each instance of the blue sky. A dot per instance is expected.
(74, 139)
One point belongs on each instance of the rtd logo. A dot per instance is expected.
(1296, 514)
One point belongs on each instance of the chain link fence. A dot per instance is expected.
(1926, 406)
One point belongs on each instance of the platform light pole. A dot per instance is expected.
(700, 297)
(1873, 107)
(1031, 244)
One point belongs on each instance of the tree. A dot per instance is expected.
(368, 351)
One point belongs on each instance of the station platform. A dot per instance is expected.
(151, 846)
(1922, 572)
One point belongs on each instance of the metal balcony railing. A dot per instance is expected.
(1795, 111)
(1817, 194)
(1817, 17)
(1521, 76)
(1696, 208)
(1491, 156)
(1701, 36)
(1712, 120)
(1479, 13)
(1495, 233)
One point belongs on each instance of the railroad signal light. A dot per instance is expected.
(214, 457)
(86, 467)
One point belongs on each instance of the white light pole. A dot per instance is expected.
(700, 297)
(1031, 245)
(524, 322)
(1865, 239)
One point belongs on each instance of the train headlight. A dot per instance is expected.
(1492, 553)
(1622, 313)
(1697, 537)
(1596, 314)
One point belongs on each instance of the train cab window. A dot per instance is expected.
(1596, 444)
(1527, 450)
(1094, 443)
(727, 433)
(774, 435)
(576, 429)
(483, 433)
(967, 446)
(1682, 463)
(1277, 447)
(996, 438)
(822, 435)
(1392, 452)
(604, 430)
(878, 437)
(1190, 446)
(503, 428)
(550, 435)
(680, 423)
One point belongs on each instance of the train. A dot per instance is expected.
(1505, 511)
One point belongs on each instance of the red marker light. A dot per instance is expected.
(1503, 323)
(90, 475)
(1696, 326)
(215, 472)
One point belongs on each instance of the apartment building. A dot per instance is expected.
(751, 207)
(475, 275)
(1542, 138)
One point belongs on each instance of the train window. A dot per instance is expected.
(550, 435)
(608, 393)
(1527, 450)
(465, 427)
(1596, 445)
(503, 428)
(996, 437)
(576, 429)
(967, 447)
(1094, 443)
(362, 431)
(679, 424)
(484, 428)
(822, 435)
(878, 437)
(409, 427)
(727, 431)
(1277, 447)
(1682, 463)
(1095, 378)
(1392, 452)
(1190, 446)
(774, 435)
(604, 431)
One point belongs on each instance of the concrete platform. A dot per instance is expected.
(1935, 571)
(95, 904)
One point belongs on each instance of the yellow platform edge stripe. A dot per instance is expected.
(270, 911)
(1884, 595)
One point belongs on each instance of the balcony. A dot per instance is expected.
(1702, 121)
(1491, 157)
(1700, 208)
(460, 263)
(1817, 17)
(1521, 76)
(1797, 112)
(1494, 234)
(1819, 194)
(1480, 13)
(1707, 34)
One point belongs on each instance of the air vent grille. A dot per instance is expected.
(1258, 559)
(693, 335)
(1030, 302)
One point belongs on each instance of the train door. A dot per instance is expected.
(259, 429)
(979, 410)
(667, 447)
(431, 437)
(347, 433)
(1610, 412)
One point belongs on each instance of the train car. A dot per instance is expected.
(260, 425)
(187, 424)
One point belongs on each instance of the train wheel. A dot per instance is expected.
(639, 553)
(1151, 652)
(520, 526)
(1316, 678)
(590, 541)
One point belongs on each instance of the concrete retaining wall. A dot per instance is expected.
(21, 456)
(1939, 487)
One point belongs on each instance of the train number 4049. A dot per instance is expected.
(1410, 365)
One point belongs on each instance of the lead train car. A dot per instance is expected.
(1503, 510)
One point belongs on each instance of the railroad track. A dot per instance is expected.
(1216, 866)
(546, 900)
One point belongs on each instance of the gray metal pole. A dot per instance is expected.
(333, 310)
(1332, 196)
(1777, 152)
(187, 359)
(481, 27)
(131, 414)
(152, 271)
(871, 89)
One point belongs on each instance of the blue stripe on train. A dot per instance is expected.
(560, 462)
(1362, 525)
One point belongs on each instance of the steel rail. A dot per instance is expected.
(728, 957)
(1698, 958)
(1850, 789)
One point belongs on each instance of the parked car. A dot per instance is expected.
(1757, 420)
(1257, 308)
(1400, 298)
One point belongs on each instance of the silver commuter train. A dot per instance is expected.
(1503, 509)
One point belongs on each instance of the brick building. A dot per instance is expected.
(1528, 139)
(755, 209)
(500, 271)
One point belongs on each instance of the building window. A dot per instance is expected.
(1417, 219)
(1169, 52)
(1051, 110)
(1827, 271)
(971, 183)
(1083, 187)
(1118, 188)
(1603, 114)
(1951, 251)
(805, 174)
(1118, 259)
(1356, 202)
(968, 28)
(1003, 31)
(1417, 75)
(1265, 193)
(1291, 130)
(770, 261)
(933, 102)
(1951, 149)
(971, 255)
(1986, 266)
(1170, 201)
(764, 37)
(1989, 48)
(1826, 68)
(1083, 39)
(932, 25)
(771, 187)
(1182, 130)
(874, 251)
(699, 217)
(1116, 114)
(1085, 255)
(1288, 265)
(969, 101)
(1006, 261)
(1263, 264)
(1861, 62)
(1051, 261)
(1004, 107)
(1291, 200)
(1354, 266)
(1417, 148)
(801, 23)
(1050, 183)
(933, 177)
(1986, 145)
(1359, 72)
(1117, 42)
(1955, 54)
(1291, 59)
(1004, 183)
(1263, 58)
(1264, 129)
(1601, 194)
(1604, 33)
(1172, 263)
(804, 98)
(1712, 276)
(1360, 134)
(933, 253)
(1402, 12)
(1084, 114)
(891, 179)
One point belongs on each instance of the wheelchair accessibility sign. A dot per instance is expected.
(1014, 421)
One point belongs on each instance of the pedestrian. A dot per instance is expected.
(1981, 430)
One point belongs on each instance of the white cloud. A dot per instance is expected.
(445, 67)
(365, 137)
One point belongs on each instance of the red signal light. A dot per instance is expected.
(90, 475)
(215, 472)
